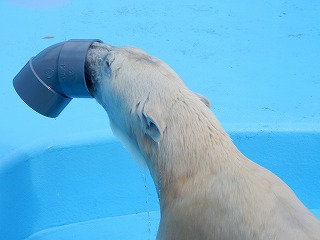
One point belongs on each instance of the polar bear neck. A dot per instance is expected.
(194, 143)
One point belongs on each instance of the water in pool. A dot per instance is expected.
(59, 179)
(134, 227)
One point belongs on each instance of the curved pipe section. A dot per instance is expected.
(49, 81)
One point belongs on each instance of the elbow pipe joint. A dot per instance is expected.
(49, 81)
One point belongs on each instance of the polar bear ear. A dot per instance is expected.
(153, 127)
(204, 100)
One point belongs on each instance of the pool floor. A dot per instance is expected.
(134, 227)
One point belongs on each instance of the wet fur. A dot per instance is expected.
(207, 189)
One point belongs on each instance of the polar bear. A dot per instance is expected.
(207, 189)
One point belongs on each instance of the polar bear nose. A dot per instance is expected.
(49, 81)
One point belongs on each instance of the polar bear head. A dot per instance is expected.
(137, 91)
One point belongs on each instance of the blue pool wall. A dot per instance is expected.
(97, 178)
(258, 63)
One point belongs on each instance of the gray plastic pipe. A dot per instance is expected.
(49, 81)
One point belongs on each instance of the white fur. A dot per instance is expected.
(207, 189)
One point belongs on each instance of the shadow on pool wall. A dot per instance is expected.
(18, 203)
(67, 185)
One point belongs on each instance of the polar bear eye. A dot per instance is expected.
(108, 64)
